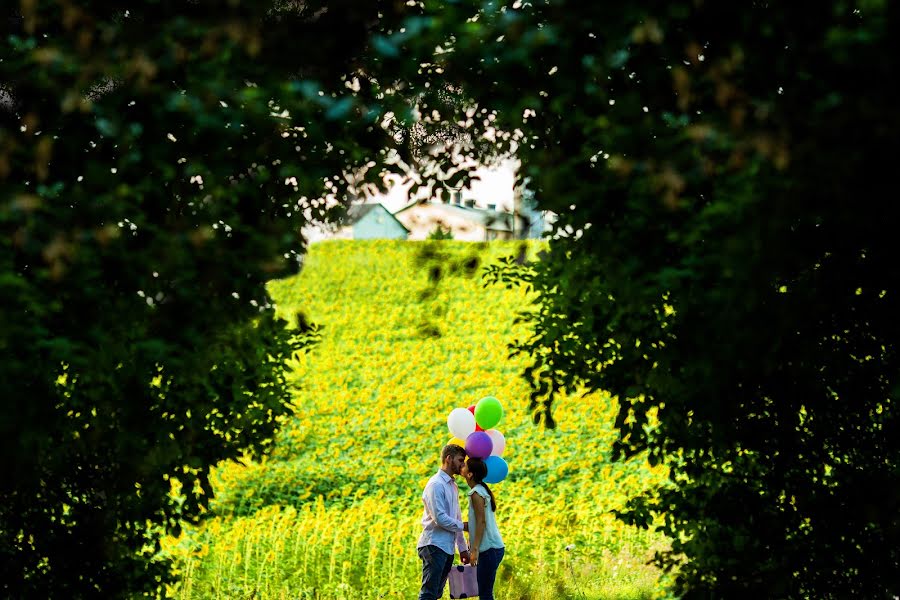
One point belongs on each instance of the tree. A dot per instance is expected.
(723, 261)
(440, 233)
(158, 162)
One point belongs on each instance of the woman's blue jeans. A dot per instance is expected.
(488, 563)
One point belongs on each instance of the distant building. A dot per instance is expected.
(371, 221)
(450, 212)
(465, 223)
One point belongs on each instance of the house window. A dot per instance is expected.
(492, 207)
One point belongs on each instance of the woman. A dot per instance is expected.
(485, 544)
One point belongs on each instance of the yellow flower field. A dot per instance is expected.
(334, 511)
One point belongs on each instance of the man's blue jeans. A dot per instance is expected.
(488, 563)
(435, 569)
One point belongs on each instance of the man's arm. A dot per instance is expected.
(461, 546)
(436, 504)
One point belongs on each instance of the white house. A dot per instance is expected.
(466, 223)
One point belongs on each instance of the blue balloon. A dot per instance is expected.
(497, 469)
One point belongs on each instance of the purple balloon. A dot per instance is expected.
(479, 444)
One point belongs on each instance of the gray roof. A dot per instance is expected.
(355, 213)
(358, 211)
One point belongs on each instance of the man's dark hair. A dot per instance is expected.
(452, 450)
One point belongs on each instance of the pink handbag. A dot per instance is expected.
(463, 581)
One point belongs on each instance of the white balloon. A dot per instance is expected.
(499, 442)
(461, 423)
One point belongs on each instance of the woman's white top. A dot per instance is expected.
(491, 536)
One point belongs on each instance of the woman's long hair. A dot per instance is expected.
(479, 471)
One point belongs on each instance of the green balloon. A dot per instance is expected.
(488, 412)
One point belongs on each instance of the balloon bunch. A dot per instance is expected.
(472, 429)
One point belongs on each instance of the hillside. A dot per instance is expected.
(334, 511)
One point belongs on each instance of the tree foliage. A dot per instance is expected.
(158, 162)
(723, 262)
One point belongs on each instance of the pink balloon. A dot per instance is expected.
(499, 442)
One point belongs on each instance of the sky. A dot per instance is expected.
(494, 187)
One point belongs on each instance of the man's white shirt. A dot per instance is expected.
(441, 517)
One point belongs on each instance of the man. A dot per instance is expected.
(442, 524)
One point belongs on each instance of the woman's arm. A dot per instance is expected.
(478, 504)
